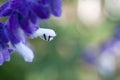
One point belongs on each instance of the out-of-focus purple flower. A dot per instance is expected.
(89, 57)
(117, 32)
(90, 54)
(108, 50)
(113, 43)
(106, 63)
(23, 19)
(102, 60)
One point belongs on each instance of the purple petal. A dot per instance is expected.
(6, 55)
(13, 29)
(1, 59)
(41, 11)
(26, 26)
(3, 33)
(5, 9)
(55, 6)
(10, 50)
(33, 17)
(13, 21)
(20, 6)
(3, 44)
(45, 2)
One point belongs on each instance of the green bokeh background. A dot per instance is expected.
(59, 59)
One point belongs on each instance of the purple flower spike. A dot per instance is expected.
(23, 17)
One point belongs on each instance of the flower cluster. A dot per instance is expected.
(23, 20)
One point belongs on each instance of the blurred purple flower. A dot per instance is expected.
(89, 57)
(23, 19)
(105, 61)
